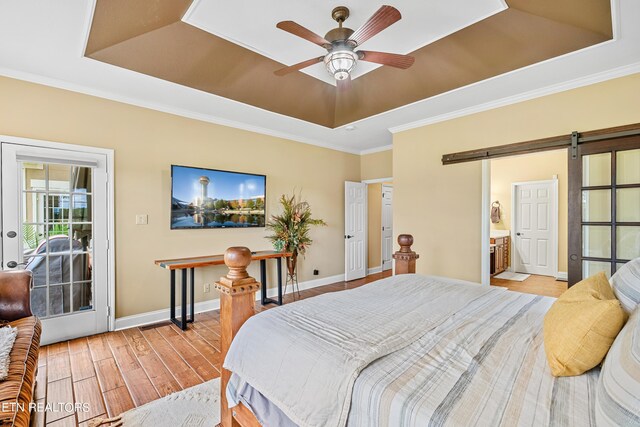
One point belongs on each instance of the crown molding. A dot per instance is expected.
(165, 108)
(376, 149)
(526, 96)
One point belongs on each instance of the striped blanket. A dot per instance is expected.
(484, 366)
(410, 351)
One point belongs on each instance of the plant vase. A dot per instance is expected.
(292, 275)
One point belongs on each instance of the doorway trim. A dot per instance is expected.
(109, 154)
(555, 215)
(485, 233)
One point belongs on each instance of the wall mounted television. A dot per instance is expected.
(209, 198)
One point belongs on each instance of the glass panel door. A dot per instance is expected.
(56, 236)
(55, 226)
(604, 207)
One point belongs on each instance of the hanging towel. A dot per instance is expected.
(495, 212)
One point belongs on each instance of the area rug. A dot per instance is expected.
(197, 406)
(7, 338)
(518, 277)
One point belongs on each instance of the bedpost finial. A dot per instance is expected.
(405, 241)
(237, 258)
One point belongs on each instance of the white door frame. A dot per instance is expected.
(377, 181)
(108, 153)
(554, 216)
(382, 230)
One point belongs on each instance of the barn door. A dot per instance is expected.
(604, 206)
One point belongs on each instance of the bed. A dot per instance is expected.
(408, 350)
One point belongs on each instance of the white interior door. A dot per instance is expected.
(535, 227)
(54, 223)
(355, 230)
(387, 227)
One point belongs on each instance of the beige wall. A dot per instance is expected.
(441, 205)
(533, 167)
(146, 143)
(377, 165)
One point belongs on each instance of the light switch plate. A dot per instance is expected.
(142, 219)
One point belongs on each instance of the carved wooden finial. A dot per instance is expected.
(405, 257)
(237, 258)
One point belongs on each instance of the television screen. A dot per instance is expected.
(207, 198)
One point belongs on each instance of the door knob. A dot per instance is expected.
(347, 236)
(11, 234)
(13, 264)
(518, 234)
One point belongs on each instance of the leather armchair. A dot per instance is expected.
(15, 290)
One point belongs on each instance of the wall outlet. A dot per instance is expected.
(142, 219)
(316, 272)
(207, 288)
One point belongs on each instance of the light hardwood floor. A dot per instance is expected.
(539, 285)
(117, 371)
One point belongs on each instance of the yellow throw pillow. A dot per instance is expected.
(581, 325)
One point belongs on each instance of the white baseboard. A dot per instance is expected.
(214, 304)
(374, 270)
(562, 276)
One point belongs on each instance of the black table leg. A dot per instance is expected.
(263, 282)
(192, 296)
(172, 308)
(183, 320)
(263, 279)
(279, 261)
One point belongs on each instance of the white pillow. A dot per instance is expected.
(626, 285)
(7, 338)
(618, 389)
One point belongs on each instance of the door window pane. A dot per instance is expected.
(59, 178)
(38, 267)
(33, 207)
(596, 205)
(81, 179)
(82, 296)
(596, 241)
(628, 167)
(59, 207)
(589, 268)
(627, 242)
(81, 208)
(34, 177)
(596, 169)
(628, 205)
(59, 299)
(33, 235)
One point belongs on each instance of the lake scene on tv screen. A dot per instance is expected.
(206, 198)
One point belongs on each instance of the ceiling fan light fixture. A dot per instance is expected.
(340, 63)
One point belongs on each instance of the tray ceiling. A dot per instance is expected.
(46, 43)
(152, 38)
(252, 24)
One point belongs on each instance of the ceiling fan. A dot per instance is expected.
(341, 43)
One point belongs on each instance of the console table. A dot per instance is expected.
(188, 265)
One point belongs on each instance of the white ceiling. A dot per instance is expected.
(44, 42)
(252, 24)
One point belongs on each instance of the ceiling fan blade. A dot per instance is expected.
(300, 31)
(383, 18)
(298, 66)
(390, 59)
(344, 85)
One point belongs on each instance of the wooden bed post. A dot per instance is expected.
(405, 257)
(237, 304)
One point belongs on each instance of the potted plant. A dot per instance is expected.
(291, 229)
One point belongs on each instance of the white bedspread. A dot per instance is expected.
(305, 357)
